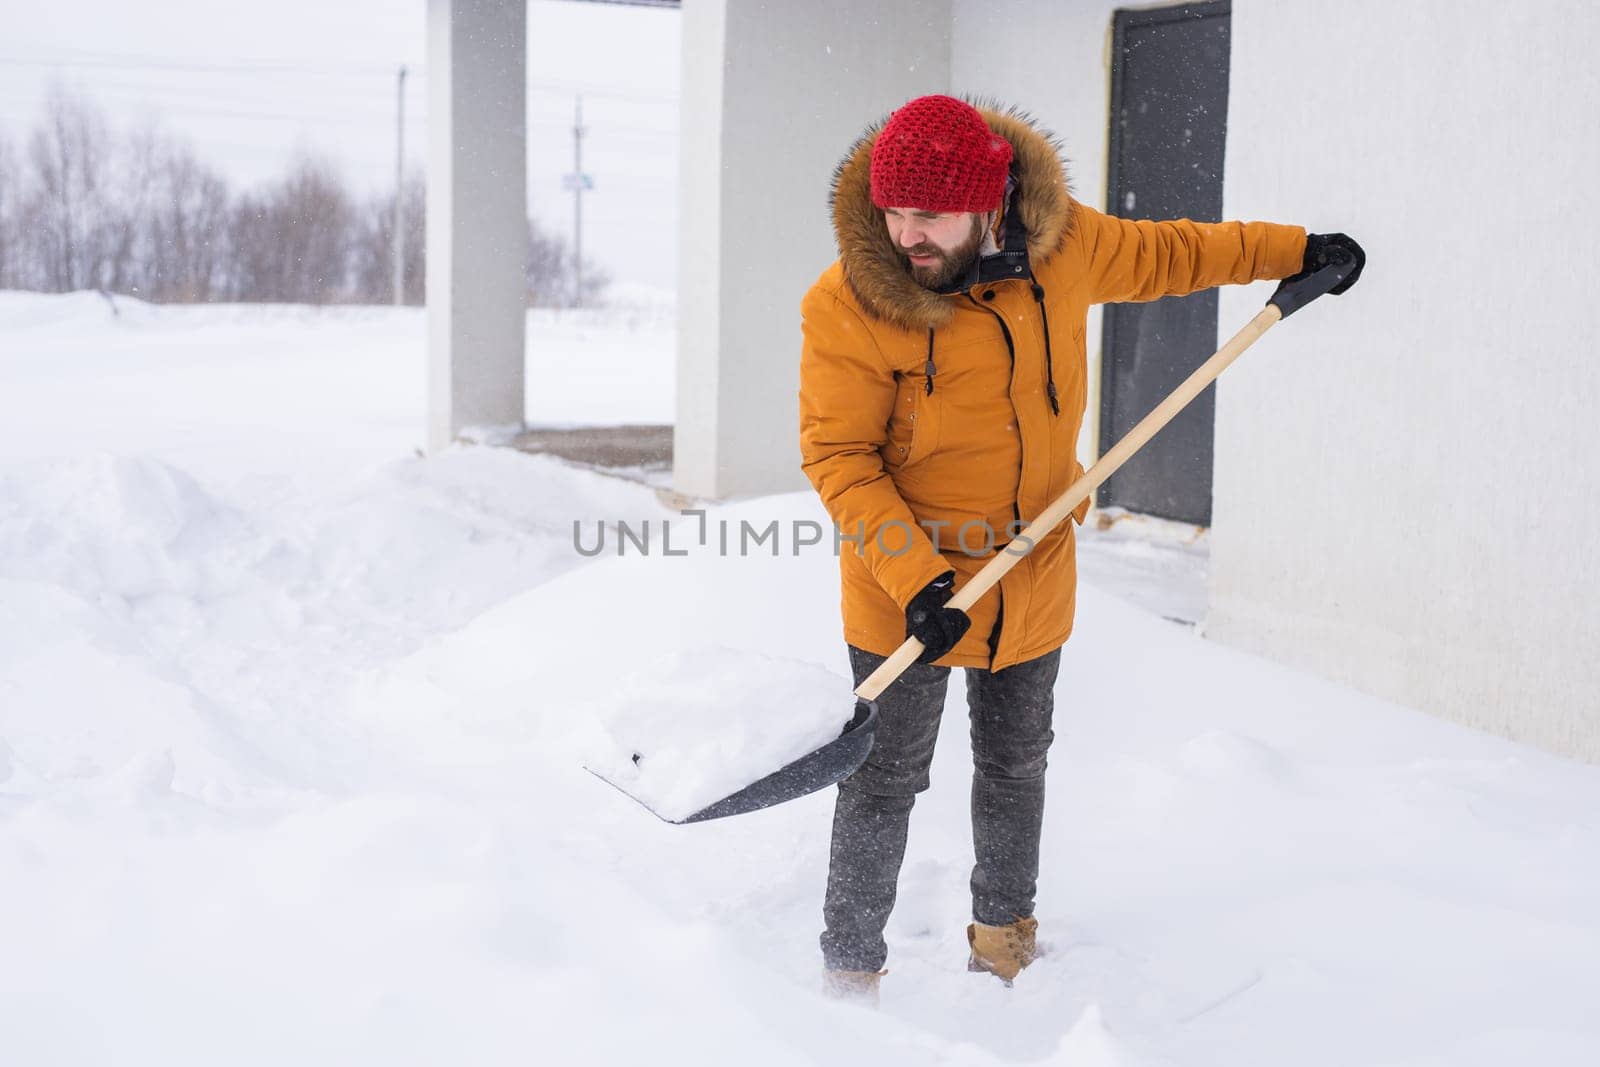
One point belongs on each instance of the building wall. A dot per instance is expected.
(1406, 488)
(773, 97)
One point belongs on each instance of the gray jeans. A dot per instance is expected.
(1010, 712)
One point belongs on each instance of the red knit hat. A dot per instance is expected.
(938, 154)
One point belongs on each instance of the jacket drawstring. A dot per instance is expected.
(928, 368)
(1049, 357)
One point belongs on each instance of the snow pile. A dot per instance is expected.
(97, 555)
(690, 728)
(101, 523)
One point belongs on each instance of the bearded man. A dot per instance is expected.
(942, 388)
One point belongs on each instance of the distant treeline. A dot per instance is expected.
(83, 208)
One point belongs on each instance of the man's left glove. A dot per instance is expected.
(1325, 248)
(929, 621)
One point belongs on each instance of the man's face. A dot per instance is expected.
(938, 248)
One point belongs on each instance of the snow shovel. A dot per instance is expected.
(839, 758)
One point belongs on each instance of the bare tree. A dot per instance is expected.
(132, 171)
(10, 187)
(550, 276)
(372, 259)
(292, 241)
(184, 233)
(250, 252)
(142, 215)
(69, 209)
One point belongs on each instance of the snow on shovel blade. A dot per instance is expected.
(826, 766)
(671, 744)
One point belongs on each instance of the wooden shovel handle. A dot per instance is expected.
(1078, 492)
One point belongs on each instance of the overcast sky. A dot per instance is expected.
(252, 85)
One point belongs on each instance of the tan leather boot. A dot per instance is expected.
(1003, 950)
(852, 985)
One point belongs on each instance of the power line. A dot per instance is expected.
(185, 111)
(180, 102)
(377, 76)
(610, 131)
(231, 67)
(345, 95)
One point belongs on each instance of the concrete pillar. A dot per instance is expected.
(477, 215)
(773, 96)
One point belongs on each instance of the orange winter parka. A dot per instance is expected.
(934, 425)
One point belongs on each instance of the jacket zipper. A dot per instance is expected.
(1011, 348)
(1016, 512)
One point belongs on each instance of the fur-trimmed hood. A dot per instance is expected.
(873, 268)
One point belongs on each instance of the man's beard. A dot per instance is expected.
(952, 264)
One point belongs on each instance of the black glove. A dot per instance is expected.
(929, 621)
(1325, 248)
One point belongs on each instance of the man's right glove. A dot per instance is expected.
(1325, 248)
(929, 621)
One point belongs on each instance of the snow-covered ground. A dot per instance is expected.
(292, 725)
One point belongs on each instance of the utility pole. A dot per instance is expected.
(579, 183)
(399, 242)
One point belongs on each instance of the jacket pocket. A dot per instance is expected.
(1080, 512)
(914, 424)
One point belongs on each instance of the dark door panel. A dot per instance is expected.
(1169, 114)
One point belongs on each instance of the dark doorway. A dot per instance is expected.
(1169, 123)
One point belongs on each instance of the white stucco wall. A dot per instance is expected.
(1406, 496)
(773, 97)
(1053, 60)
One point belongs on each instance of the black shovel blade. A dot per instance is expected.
(818, 769)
